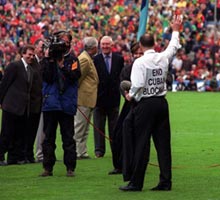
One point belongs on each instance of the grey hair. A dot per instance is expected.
(106, 37)
(90, 42)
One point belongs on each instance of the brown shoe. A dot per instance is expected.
(46, 173)
(70, 173)
(97, 155)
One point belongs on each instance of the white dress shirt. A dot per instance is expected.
(149, 72)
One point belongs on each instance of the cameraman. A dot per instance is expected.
(60, 81)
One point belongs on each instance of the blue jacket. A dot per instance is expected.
(60, 85)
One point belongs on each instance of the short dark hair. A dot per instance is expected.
(27, 47)
(38, 41)
(147, 40)
(134, 46)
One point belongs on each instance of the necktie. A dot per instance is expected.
(107, 63)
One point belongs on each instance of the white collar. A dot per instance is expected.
(109, 55)
(149, 51)
(24, 62)
(38, 59)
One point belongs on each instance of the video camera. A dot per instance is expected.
(57, 47)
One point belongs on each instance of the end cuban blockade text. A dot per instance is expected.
(155, 82)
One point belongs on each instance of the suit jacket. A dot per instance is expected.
(36, 89)
(15, 88)
(108, 88)
(88, 82)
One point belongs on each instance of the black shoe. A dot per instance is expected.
(30, 160)
(12, 162)
(130, 188)
(46, 173)
(83, 157)
(3, 163)
(16, 162)
(21, 162)
(161, 188)
(115, 171)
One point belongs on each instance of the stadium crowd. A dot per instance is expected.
(23, 22)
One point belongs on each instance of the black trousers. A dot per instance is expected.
(12, 136)
(100, 115)
(66, 122)
(30, 135)
(117, 151)
(150, 117)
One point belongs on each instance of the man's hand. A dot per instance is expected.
(176, 24)
(61, 63)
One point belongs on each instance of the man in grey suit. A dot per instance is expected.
(40, 52)
(108, 65)
(87, 95)
(15, 89)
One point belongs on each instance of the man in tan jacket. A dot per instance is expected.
(87, 95)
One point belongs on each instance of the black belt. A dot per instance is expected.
(152, 97)
(157, 97)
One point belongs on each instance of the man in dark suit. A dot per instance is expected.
(15, 103)
(108, 66)
(35, 107)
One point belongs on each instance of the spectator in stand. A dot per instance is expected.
(191, 86)
(218, 10)
(167, 34)
(187, 63)
(212, 85)
(176, 64)
(181, 86)
(188, 39)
